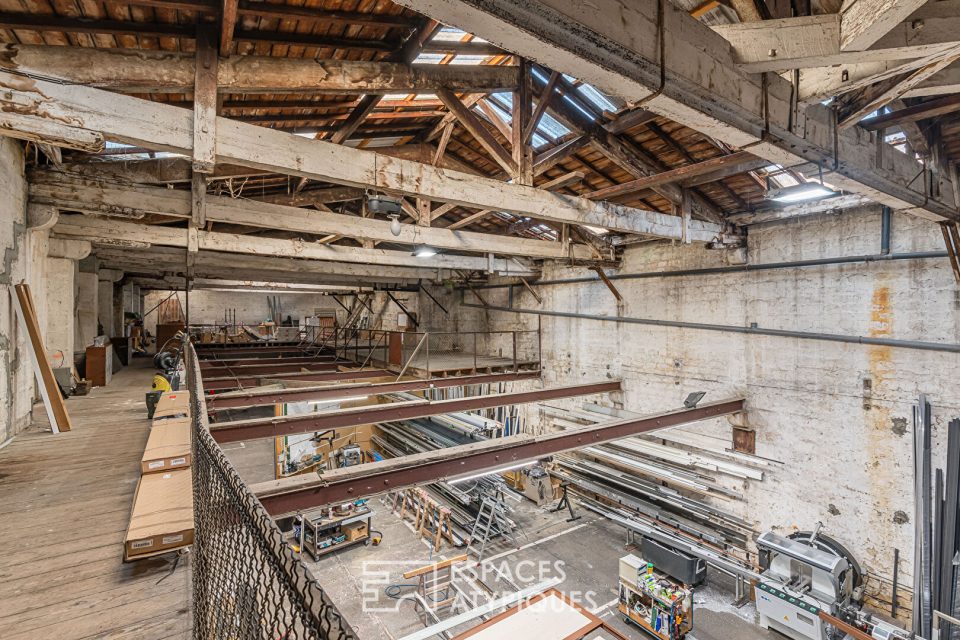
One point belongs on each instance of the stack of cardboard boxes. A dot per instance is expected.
(162, 516)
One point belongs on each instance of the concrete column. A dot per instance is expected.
(87, 307)
(62, 271)
(105, 283)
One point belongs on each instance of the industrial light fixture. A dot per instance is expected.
(424, 251)
(694, 399)
(801, 192)
(383, 205)
(394, 223)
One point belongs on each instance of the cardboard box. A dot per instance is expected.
(172, 404)
(162, 516)
(168, 446)
(354, 530)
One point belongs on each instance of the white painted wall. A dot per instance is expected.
(16, 372)
(843, 464)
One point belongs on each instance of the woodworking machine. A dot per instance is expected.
(810, 588)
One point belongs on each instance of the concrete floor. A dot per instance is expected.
(584, 554)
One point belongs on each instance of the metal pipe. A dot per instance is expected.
(885, 230)
(794, 264)
(781, 333)
(896, 579)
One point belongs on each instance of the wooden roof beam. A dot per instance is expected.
(472, 124)
(100, 230)
(732, 163)
(48, 23)
(705, 89)
(168, 72)
(864, 22)
(161, 127)
(314, 15)
(855, 107)
(914, 113)
(137, 202)
(228, 26)
(810, 41)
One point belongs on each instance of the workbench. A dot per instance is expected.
(322, 534)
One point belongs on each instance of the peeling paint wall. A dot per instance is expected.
(838, 416)
(16, 372)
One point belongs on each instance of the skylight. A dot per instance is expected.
(552, 127)
(547, 131)
(778, 177)
(468, 59)
(596, 98)
(430, 58)
(452, 34)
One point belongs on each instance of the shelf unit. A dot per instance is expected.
(318, 526)
(634, 592)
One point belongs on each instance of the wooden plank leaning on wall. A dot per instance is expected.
(49, 390)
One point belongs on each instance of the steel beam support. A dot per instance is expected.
(261, 398)
(242, 382)
(269, 369)
(208, 365)
(306, 423)
(281, 497)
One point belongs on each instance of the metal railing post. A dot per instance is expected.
(514, 351)
(474, 351)
(427, 336)
(412, 356)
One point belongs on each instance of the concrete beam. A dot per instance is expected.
(827, 205)
(41, 216)
(69, 249)
(704, 89)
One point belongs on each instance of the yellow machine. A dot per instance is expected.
(161, 383)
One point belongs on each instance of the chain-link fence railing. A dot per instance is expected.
(247, 582)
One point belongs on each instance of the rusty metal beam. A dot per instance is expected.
(305, 423)
(281, 497)
(251, 353)
(268, 369)
(242, 382)
(207, 365)
(278, 396)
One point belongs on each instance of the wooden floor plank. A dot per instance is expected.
(64, 506)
